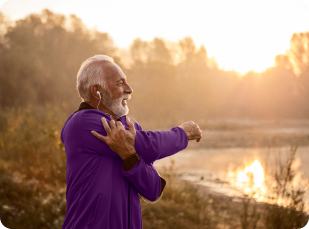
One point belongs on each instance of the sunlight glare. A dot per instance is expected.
(251, 180)
(255, 168)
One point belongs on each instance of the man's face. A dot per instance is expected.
(119, 90)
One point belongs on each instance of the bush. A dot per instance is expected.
(32, 168)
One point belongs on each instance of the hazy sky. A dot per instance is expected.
(241, 34)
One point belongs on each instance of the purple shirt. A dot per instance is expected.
(100, 194)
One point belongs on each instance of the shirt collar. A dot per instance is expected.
(84, 106)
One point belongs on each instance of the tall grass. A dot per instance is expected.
(33, 184)
(180, 206)
(284, 205)
(286, 200)
(32, 167)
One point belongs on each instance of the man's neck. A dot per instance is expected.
(102, 108)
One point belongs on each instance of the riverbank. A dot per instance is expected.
(185, 204)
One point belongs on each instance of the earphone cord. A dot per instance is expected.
(151, 202)
(99, 103)
(115, 114)
(133, 119)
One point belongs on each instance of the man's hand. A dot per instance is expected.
(193, 130)
(120, 140)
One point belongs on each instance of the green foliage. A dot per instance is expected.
(172, 81)
(42, 56)
(33, 184)
(32, 168)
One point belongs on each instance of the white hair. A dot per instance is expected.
(90, 73)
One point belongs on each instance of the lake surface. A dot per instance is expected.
(225, 170)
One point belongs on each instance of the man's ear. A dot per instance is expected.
(94, 88)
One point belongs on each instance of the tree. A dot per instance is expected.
(299, 52)
(42, 55)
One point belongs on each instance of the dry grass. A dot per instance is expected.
(29, 145)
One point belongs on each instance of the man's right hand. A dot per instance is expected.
(193, 130)
(120, 140)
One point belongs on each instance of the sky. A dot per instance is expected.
(241, 35)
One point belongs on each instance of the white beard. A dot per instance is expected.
(115, 105)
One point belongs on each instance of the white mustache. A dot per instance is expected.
(126, 96)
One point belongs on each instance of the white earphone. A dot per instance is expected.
(99, 94)
(98, 109)
(100, 99)
(147, 201)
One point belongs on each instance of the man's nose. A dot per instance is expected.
(128, 89)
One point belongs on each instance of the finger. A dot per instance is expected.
(130, 124)
(99, 136)
(113, 125)
(119, 125)
(106, 126)
(121, 129)
(198, 137)
(197, 127)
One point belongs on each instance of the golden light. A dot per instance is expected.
(233, 32)
(251, 180)
(256, 169)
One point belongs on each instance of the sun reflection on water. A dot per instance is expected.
(251, 180)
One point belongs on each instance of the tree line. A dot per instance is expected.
(172, 81)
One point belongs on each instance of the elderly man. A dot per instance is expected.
(107, 172)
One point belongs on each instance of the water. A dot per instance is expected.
(217, 169)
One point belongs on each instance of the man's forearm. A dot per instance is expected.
(145, 179)
(129, 163)
(155, 145)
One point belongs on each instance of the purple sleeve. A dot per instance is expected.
(89, 121)
(145, 179)
(155, 145)
(142, 176)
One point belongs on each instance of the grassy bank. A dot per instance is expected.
(186, 205)
(33, 185)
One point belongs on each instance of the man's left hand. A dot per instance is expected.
(120, 140)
